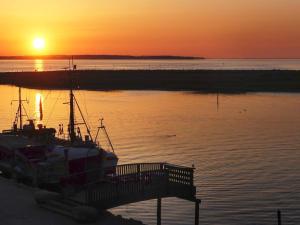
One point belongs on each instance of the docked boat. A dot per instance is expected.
(44, 157)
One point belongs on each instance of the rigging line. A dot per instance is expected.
(26, 114)
(11, 105)
(52, 109)
(87, 126)
(84, 102)
(87, 122)
(28, 96)
(49, 92)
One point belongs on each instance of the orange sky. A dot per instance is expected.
(209, 28)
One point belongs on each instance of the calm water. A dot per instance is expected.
(246, 152)
(214, 64)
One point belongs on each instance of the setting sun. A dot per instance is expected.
(38, 43)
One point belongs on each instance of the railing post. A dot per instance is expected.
(192, 178)
(161, 167)
(139, 169)
(197, 203)
(279, 217)
(138, 179)
(159, 211)
(166, 174)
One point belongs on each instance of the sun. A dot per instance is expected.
(38, 43)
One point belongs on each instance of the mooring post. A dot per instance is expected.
(159, 211)
(279, 217)
(197, 203)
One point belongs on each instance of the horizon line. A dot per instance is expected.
(125, 56)
(97, 56)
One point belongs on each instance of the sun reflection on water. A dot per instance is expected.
(39, 65)
(39, 99)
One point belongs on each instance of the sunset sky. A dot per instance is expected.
(209, 28)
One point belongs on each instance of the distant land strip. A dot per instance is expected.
(67, 57)
(207, 81)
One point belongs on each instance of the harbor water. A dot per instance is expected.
(245, 148)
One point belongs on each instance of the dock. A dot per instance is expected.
(132, 183)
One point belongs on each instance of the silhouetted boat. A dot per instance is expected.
(36, 155)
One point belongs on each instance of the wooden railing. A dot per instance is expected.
(135, 182)
(173, 173)
(179, 174)
(138, 168)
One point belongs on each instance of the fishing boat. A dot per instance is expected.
(45, 157)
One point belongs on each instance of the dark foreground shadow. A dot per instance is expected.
(17, 206)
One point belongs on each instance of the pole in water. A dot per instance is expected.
(218, 101)
(197, 203)
(158, 211)
(279, 217)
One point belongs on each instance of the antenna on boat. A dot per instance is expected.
(105, 132)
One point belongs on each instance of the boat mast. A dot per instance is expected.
(20, 109)
(19, 114)
(73, 100)
(72, 123)
(72, 117)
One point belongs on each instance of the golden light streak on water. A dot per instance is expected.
(38, 113)
(39, 65)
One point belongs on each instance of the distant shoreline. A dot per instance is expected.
(92, 57)
(206, 81)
